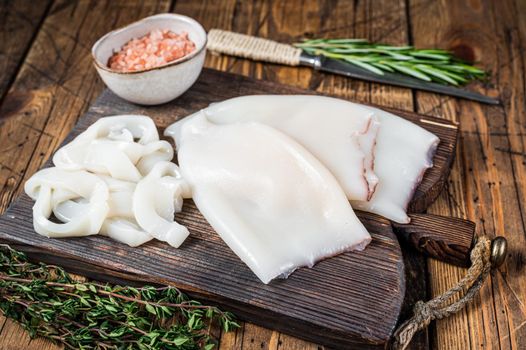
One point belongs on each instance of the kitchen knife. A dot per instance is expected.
(259, 49)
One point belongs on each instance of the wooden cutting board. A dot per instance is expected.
(352, 299)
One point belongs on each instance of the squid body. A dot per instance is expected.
(273, 203)
(377, 157)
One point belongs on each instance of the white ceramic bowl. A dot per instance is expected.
(155, 85)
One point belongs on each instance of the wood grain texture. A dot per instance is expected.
(19, 24)
(491, 148)
(487, 184)
(325, 304)
(441, 237)
(55, 84)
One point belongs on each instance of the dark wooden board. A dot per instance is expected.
(351, 299)
(441, 237)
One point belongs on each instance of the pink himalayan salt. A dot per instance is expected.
(152, 50)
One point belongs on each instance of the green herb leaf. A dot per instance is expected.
(49, 303)
(180, 341)
(150, 309)
(425, 64)
(436, 73)
(409, 71)
(81, 287)
(369, 67)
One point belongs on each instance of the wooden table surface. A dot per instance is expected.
(47, 81)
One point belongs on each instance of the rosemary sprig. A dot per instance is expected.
(425, 64)
(47, 302)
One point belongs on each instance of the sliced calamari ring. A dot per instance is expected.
(80, 184)
(152, 154)
(126, 231)
(121, 229)
(67, 204)
(120, 223)
(125, 147)
(163, 187)
(123, 128)
(116, 185)
(121, 198)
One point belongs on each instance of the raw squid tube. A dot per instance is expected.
(125, 147)
(162, 188)
(398, 150)
(403, 153)
(41, 186)
(273, 203)
(339, 133)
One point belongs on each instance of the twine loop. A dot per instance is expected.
(441, 306)
(423, 313)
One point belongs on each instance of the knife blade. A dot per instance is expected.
(266, 50)
(338, 67)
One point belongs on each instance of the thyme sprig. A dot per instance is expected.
(49, 303)
(436, 65)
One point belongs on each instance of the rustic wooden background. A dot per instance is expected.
(47, 82)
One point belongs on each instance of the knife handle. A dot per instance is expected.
(252, 47)
(444, 238)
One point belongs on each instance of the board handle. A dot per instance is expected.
(444, 238)
(246, 46)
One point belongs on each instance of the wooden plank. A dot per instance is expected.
(53, 88)
(455, 248)
(487, 183)
(19, 23)
(388, 22)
